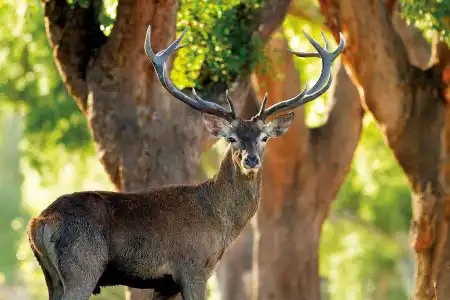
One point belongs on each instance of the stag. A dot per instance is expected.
(167, 238)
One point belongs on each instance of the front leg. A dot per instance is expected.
(193, 288)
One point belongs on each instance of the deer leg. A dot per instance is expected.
(80, 266)
(54, 284)
(193, 289)
(80, 284)
(58, 292)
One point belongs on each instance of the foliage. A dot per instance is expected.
(429, 15)
(32, 84)
(372, 209)
(221, 46)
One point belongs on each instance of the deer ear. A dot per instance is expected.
(218, 127)
(279, 125)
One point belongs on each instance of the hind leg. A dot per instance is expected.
(81, 266)
(80, 277)
(54, 285)
(79, 293)
(76, 281)
(80, 282)
(58, 292)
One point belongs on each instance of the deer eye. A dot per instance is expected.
(231, 140)
(264, 139)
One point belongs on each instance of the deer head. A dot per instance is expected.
(247, 138)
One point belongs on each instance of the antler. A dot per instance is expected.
(318, 88)
(159, 63)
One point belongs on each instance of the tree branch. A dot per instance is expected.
(74, 35)
(271, 17)
(308, 13)
(440, 58)
(377, 55)
(390, 6)
(440, 53)
(341, 131)
(133, 18)
(418, 48)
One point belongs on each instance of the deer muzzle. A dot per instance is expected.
(252, 161)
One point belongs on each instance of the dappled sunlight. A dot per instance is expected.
(364, 244)
(75, 176)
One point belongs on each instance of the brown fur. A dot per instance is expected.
(167, 238)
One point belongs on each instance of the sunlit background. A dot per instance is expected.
(46, 151)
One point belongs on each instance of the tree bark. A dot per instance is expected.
(409, 105)
(143, 136)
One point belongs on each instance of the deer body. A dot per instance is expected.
(176, 230)
(166, 238)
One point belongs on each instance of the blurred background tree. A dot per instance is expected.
(364, 252)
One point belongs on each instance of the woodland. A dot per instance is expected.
(354, 202)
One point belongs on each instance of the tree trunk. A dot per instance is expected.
(143, 136)
(409, 105)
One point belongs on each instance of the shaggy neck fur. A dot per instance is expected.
(234, 195)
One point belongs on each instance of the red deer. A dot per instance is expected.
(167, 238)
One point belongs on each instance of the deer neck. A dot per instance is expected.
(235, 196)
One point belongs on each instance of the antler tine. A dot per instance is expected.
(284, 105)
(326, 60)
(341, 46)
(158, 61)
(304, 54)
(325, 41)
(232, 112)
(262, 109)
(230, 103)
(322, 84)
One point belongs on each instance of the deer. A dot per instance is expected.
(167, 238)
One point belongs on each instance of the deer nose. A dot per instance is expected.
(251, 161)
